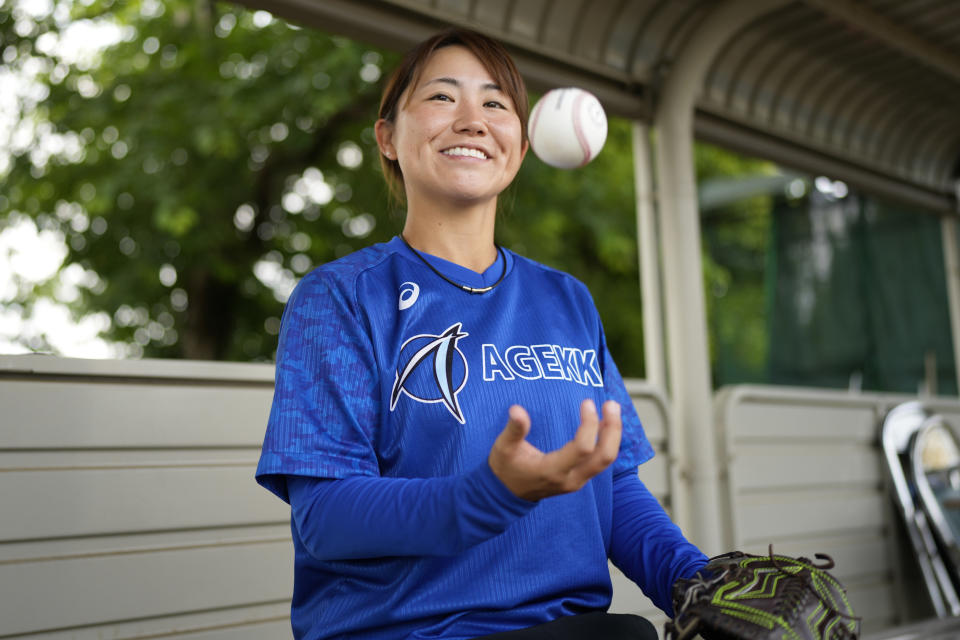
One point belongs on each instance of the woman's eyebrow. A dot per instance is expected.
(493, 86)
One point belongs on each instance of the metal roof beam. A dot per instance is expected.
(788, 153)
(379, 23)
(891, 33)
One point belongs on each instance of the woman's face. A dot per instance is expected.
(456, 134)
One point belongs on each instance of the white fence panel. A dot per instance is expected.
(804, 471)
(129, 505)
(130, 509)
(658, 476)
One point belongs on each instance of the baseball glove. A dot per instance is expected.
(738, 596)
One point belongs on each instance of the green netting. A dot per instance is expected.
(853, 294)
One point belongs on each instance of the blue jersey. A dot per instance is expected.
(386, 370)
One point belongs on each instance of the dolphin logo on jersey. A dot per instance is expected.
(432, 369)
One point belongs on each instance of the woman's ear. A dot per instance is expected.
(384, 132)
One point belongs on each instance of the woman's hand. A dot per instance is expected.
(532, 474)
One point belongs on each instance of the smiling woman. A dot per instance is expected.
(452, 132)
(495, 64)
(458, 142)
(429, 500)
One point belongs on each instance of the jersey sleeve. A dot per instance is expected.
(646, 545)
(635, 449)
(346, 519)
(325, 411)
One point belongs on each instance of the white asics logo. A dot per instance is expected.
(409, 292)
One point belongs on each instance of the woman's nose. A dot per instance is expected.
(470, 119)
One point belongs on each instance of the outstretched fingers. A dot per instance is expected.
(532, 474)
(593, 448)
(611, 431)
(514, 460)
(518, 425)
(586, 436)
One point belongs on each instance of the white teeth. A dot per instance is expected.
(463, 151)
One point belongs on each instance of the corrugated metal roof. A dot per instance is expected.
(868, 90)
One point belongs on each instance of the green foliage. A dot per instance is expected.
(737, 236)
(212, 156)
(199, 112)
(584, 222)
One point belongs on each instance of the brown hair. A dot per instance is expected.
(492, 55)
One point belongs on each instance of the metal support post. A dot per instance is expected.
(653, 345)
(686, 325)
(951, 259)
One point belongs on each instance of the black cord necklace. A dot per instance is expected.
(457, 284)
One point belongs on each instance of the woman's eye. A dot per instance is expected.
(495, 104)
(441, 96)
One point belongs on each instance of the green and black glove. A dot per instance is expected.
(738, 596)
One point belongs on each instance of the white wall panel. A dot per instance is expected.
(627, 598)
(788, 514)
(83, 501)
(130, 506)
(83, 590)
(131, 509)
(255, 622)
(772, 466)
(857, 555)
(659, 477)
(799, 419)
(875, 602)
(655, 475)
(114, 413)
(124, 477)
(804, 471)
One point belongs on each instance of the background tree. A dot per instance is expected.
(584, 222)
(211, 156)
(208, 159)
(737, 230)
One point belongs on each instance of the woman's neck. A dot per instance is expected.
(463, 236)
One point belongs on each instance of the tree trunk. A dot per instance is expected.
(210, 321)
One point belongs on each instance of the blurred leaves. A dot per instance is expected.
(736, 240)
(584, 222)
(144, 158)
(209, 156)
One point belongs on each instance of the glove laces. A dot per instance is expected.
(796, 590)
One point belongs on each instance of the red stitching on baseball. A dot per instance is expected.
(578, 128)
(532, 126)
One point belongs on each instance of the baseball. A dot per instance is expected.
(567, 127)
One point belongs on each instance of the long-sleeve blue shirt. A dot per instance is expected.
(391, 387)
(347, 519)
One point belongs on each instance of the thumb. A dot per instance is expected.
(518, 426)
